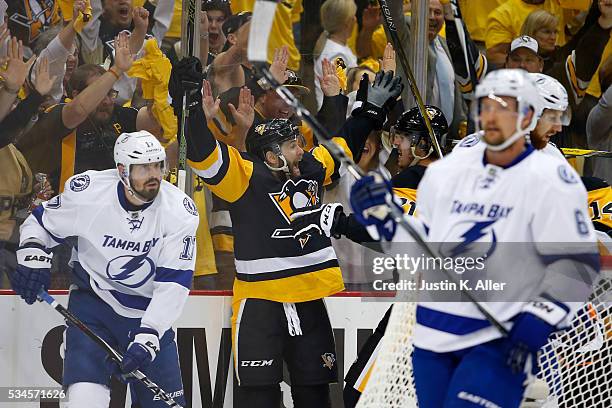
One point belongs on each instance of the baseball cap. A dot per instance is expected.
(294, 83)
(233, 23)
(524, 41)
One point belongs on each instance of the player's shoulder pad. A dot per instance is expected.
(467, 142)
(177, 202)
(410, 177)
(549, 170)
(594, 183)
(90, 180)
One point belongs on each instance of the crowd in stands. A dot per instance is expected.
(77, 73)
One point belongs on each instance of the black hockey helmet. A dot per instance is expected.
(270, 135)
(411, 124)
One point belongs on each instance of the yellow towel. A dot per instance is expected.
(154, 71)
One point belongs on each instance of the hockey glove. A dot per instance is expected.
(381, 97)
(186, 77)
(322, 221)
(370, 199)
(530, 332)
(141, 351)
(33, 271)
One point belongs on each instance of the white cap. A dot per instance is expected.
(524, 41)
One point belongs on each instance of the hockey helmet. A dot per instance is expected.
(553, 96)
(137, 148)
(411, 125)
(514, 83)
(269, 136)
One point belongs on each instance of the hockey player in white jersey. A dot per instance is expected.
(551, 113)
(503, 191)
(132, 270)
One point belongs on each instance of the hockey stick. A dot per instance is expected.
(570, 152)
(403, 58)
(464, 36)
(190, 25)
(112, 353)
(261, 22)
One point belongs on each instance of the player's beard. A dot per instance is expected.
(294, 169)
(539, 142)
(148, 193)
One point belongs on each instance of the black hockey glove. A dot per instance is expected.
(186, 77)
(323, 220)
(380, 98)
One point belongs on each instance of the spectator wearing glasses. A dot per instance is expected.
(79, 135)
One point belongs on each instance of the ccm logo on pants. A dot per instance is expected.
(256, 363)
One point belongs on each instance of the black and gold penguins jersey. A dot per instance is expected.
(270, 263)
(599, 196)
(405, 185)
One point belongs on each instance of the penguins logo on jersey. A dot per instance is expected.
(294, 196)
(470, 238)
(132, 271)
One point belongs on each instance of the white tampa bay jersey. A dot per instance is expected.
(139, 262)
(474, 140)
(464, 202)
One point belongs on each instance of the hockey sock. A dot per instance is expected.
(257, 397)
(310, 396)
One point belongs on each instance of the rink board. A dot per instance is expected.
(31, 345)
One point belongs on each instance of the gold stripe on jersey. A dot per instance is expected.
(331, 165)
(600, 205)
(68, 159)
(408, 197)
(294, 289)
(225, 172)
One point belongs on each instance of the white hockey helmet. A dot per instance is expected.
(137, 148)
(553, 96)
(514, 83)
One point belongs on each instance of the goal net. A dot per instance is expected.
(575, 364)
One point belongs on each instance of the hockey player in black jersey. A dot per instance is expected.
(278, 309)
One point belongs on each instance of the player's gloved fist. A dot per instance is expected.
(323, 220)
(186, 77)
(380, 98)
(141, 351)
(371, 199)
(33, 271)
(530, 332)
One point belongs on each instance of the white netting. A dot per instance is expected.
(391, 383)
(577, 364)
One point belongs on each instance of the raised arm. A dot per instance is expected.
(220, 166)
(77, 110)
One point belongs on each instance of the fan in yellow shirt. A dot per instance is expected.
(475, 13)
(282, 28)
(505, 22)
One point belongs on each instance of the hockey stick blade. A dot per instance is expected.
(112, 353)
(570, 152)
